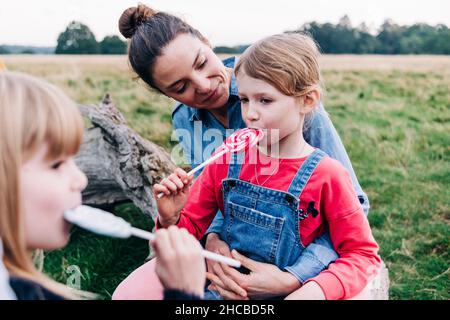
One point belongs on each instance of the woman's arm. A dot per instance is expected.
(309, 291)
(313, 259)
(321, 133)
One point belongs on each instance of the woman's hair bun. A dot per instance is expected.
(133, 17)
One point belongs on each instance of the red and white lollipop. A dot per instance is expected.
(239, 141)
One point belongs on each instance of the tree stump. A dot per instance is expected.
(121, 165)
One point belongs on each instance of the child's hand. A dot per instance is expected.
(176, 191)
(179, 263)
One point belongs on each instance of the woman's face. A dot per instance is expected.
(48, 188)
(190, 72)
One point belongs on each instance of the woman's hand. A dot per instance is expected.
(264, 280)
(176, 191)
(215, 244)
(179, 263)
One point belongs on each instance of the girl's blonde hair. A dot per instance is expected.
(287, 61)
(32, 112)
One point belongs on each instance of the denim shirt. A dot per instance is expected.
(199, 133)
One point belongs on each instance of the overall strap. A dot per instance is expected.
(304, 172)
(234, 167)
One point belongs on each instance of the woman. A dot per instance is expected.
(175, 59)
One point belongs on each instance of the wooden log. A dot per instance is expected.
(120, 165)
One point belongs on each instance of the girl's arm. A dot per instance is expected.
(358, 261)
(351, 235)
(193, 208)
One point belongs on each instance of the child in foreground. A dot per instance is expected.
(41, 130)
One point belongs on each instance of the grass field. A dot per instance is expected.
(393, 114)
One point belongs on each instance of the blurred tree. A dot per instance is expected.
(322, 33)
(230, 50)
(113, 45)
(3, 50)
(389, 38)
(331, 38)
(77, 39)
(366, 43)
(344, 22)
(439, 42)
(27, 51)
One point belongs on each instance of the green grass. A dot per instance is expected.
(395, 126)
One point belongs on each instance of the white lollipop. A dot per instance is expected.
(237, 142)
(105, 223)
(99, 221)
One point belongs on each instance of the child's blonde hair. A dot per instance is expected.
(32, 112)
(287, 61)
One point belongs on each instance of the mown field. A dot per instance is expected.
(393, 114)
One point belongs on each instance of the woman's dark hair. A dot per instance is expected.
(149, 32)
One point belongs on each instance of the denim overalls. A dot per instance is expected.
(262, 223)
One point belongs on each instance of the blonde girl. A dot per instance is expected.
(41, 130)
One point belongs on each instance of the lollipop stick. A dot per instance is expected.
(206, 254)
(237, 142)
(142, 234)
(204, 164)
(190, 173)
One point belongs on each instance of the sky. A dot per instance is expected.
(226, 22)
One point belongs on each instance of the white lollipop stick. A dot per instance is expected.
(237, 142)
(105, 223)
(204, 164)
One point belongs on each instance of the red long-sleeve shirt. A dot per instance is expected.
(330, 188)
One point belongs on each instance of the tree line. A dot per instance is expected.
(79, 39)
(391, 38)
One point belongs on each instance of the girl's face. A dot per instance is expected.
(264, 107)
(190, 72)
(48, 188)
